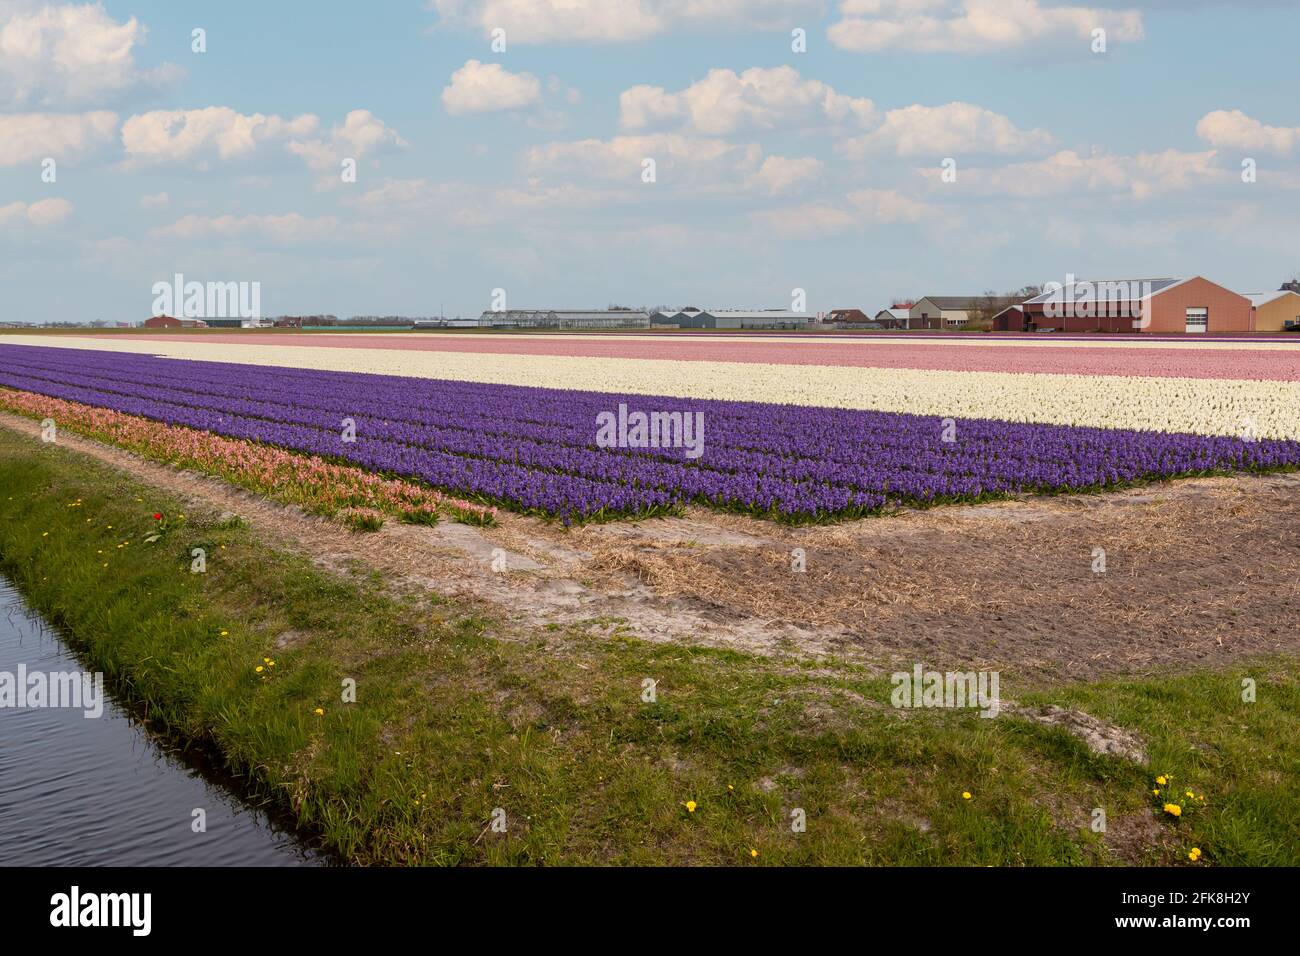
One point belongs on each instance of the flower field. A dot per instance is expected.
(1171, 396)
(535, 449)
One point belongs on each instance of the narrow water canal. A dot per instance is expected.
(88, 791)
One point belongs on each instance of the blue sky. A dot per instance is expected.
(522, 169)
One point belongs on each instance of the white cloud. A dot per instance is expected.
(218, 133)
(361, 134)
(567, 21)
(487, 87)
(399, 203)
(975, 26)
(44, 212)
(288, 228)
(66, 55)
(1233, 129)
(860, 208)
(64, 137)
(1068, 173)
(757, 99)
(679, 160)
(779, 175)
(886, 205)
(215, 132)
(950, 130)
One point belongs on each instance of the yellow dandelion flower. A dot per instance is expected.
(1173, 809)
(224, 633)
(1189, 793)
(1155, 793)
(965, 794)
(1194, 854)
(1161, 780)
(259, 668)
(753, 852)
(320, 711)
(690, 806)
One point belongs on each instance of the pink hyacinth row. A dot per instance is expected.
(315, 484)
(1267, 361)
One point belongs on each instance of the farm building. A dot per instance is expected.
(1010, 319)
(565, 319)
(1163, 305)
(954, 311)
(896, 318)
(731, 319)
(849, 317)
(167, 322)
(1275, 311)
(240, 323)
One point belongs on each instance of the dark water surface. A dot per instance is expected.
(78, 791)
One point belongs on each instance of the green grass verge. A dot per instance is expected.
(453, 721)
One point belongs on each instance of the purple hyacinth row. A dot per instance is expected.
(536, 448)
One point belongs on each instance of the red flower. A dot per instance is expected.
(157, 516)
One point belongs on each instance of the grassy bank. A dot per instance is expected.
(455, 718)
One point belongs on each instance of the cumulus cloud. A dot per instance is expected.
(758, 99)
(614, 21)
(679, 160)
(861, 208)
(1068, 173)
(359, 136)
(215, 132)
(1233, 129)
(288, 228)
(218, 133)
(487, 87)
(886, 205)
(67, 55)
(950, 130)
(43, 213)
(400, 202)
(779, 175)
(974, 26)
(64, 137)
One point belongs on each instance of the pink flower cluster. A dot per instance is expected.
(1260, 360)
(306, 480)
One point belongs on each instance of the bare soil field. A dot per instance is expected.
(1199, 572)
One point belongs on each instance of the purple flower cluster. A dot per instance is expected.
(536, 449)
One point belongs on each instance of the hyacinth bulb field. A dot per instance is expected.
(538, 450)
(663, 587)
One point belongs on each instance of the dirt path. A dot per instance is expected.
(1204, 571)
